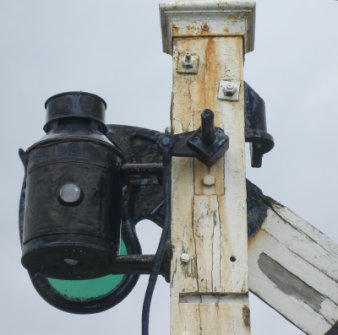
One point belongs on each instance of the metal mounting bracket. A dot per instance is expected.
(207, 143)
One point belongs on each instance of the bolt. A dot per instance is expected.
(70, 194)
(187, 57)
(185, 258)
(209, 180)
(205, 27)
(187, 60)
(166, 141)
(229, 89)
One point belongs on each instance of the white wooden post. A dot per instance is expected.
(209, 270)
(293, 267)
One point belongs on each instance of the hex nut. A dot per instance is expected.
(229, 89)
(188, 61)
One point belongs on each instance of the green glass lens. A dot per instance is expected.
(87, 289)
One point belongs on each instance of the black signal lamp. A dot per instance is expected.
(72, 224)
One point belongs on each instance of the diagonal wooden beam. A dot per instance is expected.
(293, 267)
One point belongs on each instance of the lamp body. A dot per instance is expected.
(72, 217)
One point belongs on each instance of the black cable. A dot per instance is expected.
(162, 247)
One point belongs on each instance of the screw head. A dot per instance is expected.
(70, 194)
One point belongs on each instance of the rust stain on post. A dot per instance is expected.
(204, 28)
(254, 237)
(212, 75)
(175, 30)
(246, 316)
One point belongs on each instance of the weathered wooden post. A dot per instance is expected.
(209, 269)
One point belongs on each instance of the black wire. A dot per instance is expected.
(163, 240)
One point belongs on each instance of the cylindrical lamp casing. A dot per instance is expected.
(72, 217)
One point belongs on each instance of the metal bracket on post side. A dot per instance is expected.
(207, 143)
(256, 133)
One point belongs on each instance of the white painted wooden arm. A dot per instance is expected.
(293, 267)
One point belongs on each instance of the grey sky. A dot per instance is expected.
(114, 49)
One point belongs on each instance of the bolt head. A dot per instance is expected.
(229, 89)
(205, 27)
(166, 141)
(185, 258)
(209, 180)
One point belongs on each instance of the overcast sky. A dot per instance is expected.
(114, 49)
